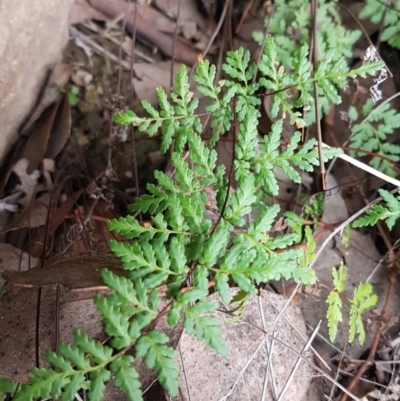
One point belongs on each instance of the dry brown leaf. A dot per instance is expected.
(72, 271)
(61, 129)
(14, 259)
(49, 135)
(156, 18)
(49, 98)
(51, 94)
(82, 11)
(56, 219)
(113, 9)
(191, 24)
(188, 12)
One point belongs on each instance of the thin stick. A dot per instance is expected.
(225, 397)
(171, 82)
(266, 30)
(297, 364)
(215, 33)
(123, 27)
(318, 369)
(131, 127)
(367, 168)
(337, 372)
(314, 6)
(269, 362)
(302, 337)
(184, 373)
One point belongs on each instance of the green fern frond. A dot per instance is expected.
(126, 377)
(363, 300)
(390, 212)
(291, 22)
(387, 14)
(160, 357)
(334, 313)
(205, 327)
(7, 387)
(73, 363)
(371, 135)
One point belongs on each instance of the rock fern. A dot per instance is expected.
(202, 231)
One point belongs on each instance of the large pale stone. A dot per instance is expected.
(32, 37)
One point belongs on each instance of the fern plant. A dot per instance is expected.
(389, 212)
(290, 24)
(363, 299)
(385, 13)
(201, 230)
(334, 313)
(371, 135)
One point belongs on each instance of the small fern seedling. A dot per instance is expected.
(363, 299)
(334, 313)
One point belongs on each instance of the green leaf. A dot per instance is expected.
(222, 286)
(205, 327)
(7, 386)
(122, 286)
(126, 377)
(161, 357)
(241, 201)
(127, 226)
(389, 213)
(174, 314)
(97, 384)
(126, 118)
(363, 299)
(215, 246)
(339, 277)
(372, 135)
(116, 322)
(75, 355)
(237, 65)
(334, 312)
